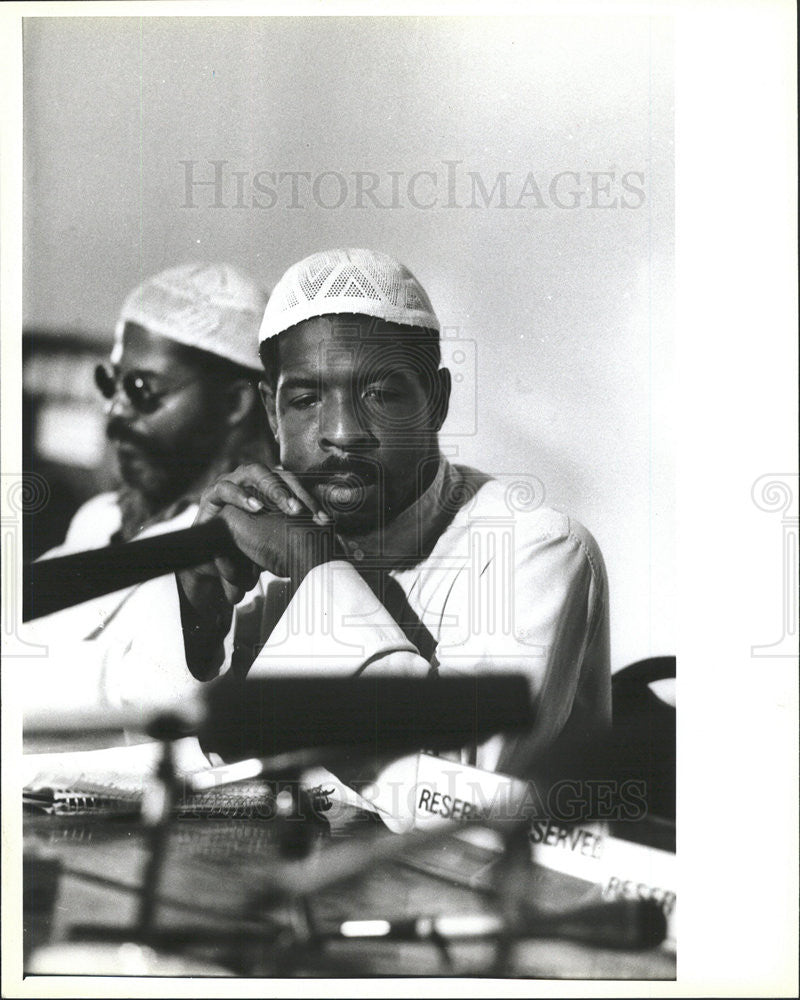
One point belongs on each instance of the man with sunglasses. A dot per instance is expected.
(182, 409)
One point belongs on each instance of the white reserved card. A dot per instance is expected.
(423, 792)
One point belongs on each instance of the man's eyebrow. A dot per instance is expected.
(299, 382)
(383, 371)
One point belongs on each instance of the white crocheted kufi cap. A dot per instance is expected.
(347, 281)
(212, 307)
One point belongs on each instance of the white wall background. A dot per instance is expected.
(570, 309)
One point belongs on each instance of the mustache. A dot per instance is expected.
(118, 430)
(334, 465)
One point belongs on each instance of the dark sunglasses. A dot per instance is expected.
(136, 386)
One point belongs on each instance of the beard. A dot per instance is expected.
(152, 477)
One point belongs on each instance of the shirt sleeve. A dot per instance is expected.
(335, 625)
(120, 651)
(538, 606)
(135, 663)
(90, 528)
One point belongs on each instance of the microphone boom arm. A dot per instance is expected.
(50, 585)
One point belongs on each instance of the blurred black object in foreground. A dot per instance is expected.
(260, 718)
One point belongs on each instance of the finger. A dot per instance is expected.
(236, 584)
(238, 570)
(227, 569)
(232, 594)
(260, 483)
(320, 516)
(226, 492)
(277, 488)
(207, 569)
(277, 495)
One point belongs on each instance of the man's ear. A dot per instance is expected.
(241, 399)
(267, 394)
(440, 403)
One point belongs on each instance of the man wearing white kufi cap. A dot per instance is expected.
(181, 391)
(365, 550)
(181, 404)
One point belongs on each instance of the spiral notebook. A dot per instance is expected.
(114, 781)
(245, 800)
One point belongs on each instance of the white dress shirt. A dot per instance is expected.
(476, 582)
(121, 651)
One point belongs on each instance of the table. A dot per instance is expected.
(218, 903)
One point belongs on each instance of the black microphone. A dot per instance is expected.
(625, 924)
(367, 715)
(51, 585)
